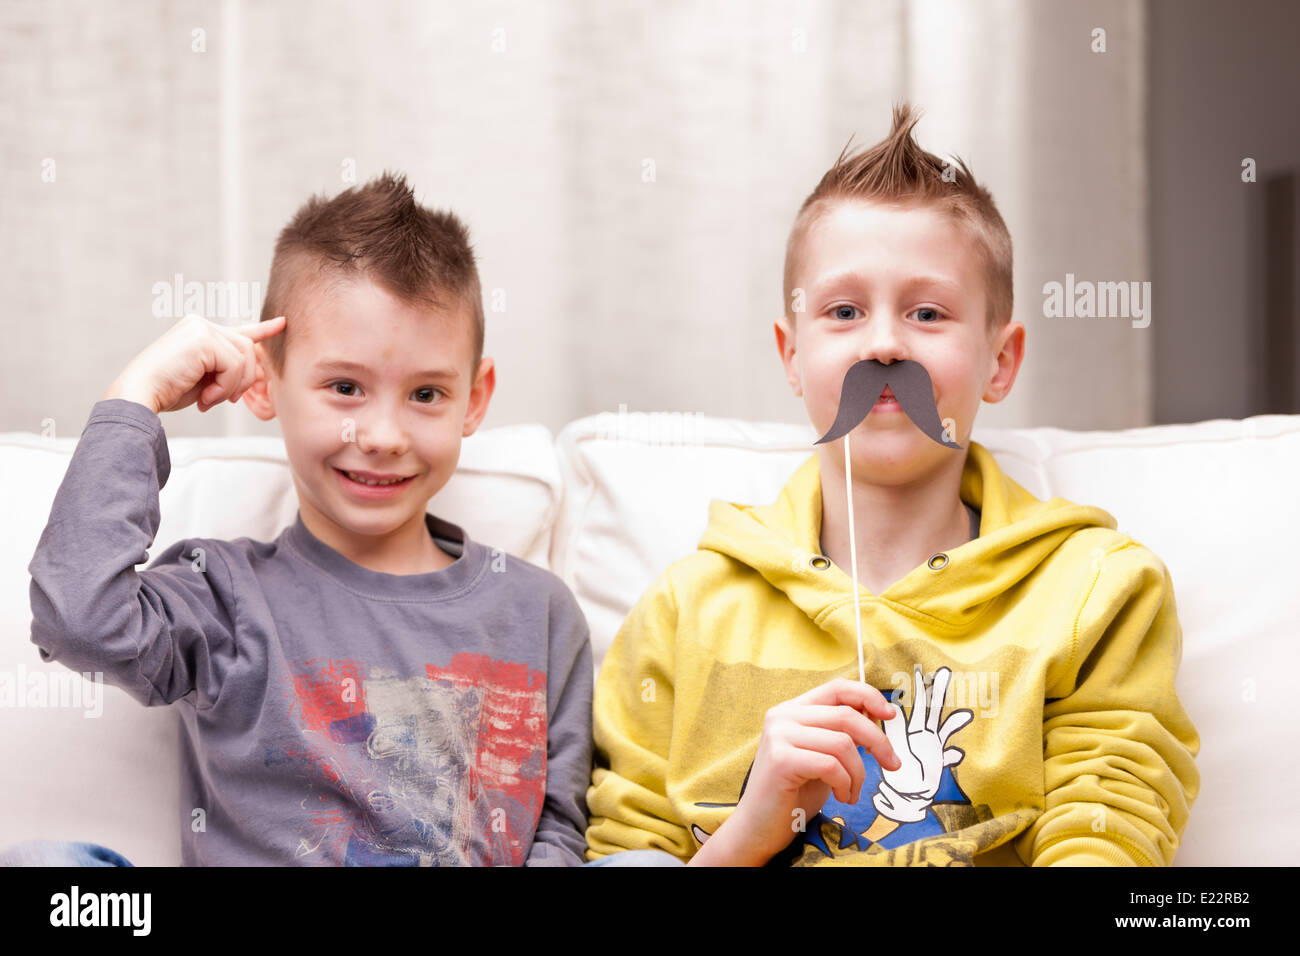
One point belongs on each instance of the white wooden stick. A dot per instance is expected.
(853, 559)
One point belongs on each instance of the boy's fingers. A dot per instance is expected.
(859, 696)
(257, 331)
(896, 732)
(847, 720)
(249, 375)
(836, 744)
(886, 754)
(231, 363)
(810, 765)
(189, 397)
(228, 373)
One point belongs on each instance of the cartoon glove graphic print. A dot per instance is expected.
(905, 794)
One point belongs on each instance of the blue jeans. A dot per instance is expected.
(59, 853)
(637, 858)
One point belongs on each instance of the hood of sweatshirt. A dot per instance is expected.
(1018, 532)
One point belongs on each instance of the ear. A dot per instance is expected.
(1008, 352)
(485, 383)
(785, 344)
(258, 395)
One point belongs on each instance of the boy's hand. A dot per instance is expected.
(808, 750)
(195, 361)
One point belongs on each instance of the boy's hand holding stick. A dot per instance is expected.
(808, 750)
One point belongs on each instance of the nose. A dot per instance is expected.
(382, 432)
(881, 341)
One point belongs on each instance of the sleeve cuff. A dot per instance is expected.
(1084, 851)
(119, 408)
(133, 414)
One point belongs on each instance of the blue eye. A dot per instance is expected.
(846, 312)
(928, 309)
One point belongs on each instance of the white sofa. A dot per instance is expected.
(615, 498)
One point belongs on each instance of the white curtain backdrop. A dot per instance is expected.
(629, 172)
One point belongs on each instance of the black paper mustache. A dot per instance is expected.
(911, 385)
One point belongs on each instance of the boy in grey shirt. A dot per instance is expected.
(371, 687)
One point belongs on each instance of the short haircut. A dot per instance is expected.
(378, 230)
(897, 170)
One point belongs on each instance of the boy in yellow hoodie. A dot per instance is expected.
(1019, 655)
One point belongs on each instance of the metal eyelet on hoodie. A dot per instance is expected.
(938, 561)
(819, 562)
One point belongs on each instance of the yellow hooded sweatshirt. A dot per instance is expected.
(1048, 729)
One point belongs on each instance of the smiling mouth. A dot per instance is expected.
(373, 482)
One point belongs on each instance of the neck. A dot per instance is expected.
(408, 550)
(897, 527)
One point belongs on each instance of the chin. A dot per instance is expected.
(892, 451)
(374, 524)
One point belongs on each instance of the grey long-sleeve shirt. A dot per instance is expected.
(332, 714)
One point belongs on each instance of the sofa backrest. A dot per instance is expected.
(615, 499)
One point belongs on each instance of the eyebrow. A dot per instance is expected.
(914, 282)
(343, 365)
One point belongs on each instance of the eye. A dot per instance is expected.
(935, 312)
(335, 385)
(846, 312)
(433, 396)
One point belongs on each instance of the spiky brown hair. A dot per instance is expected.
(897, 170)
(420, 256)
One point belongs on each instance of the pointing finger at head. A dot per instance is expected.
(260, 331)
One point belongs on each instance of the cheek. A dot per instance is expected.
(823, 381)
(442, 450)
(316, 431)
(957, 386)
(291, 407)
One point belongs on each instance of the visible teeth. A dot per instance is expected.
(369, 481)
